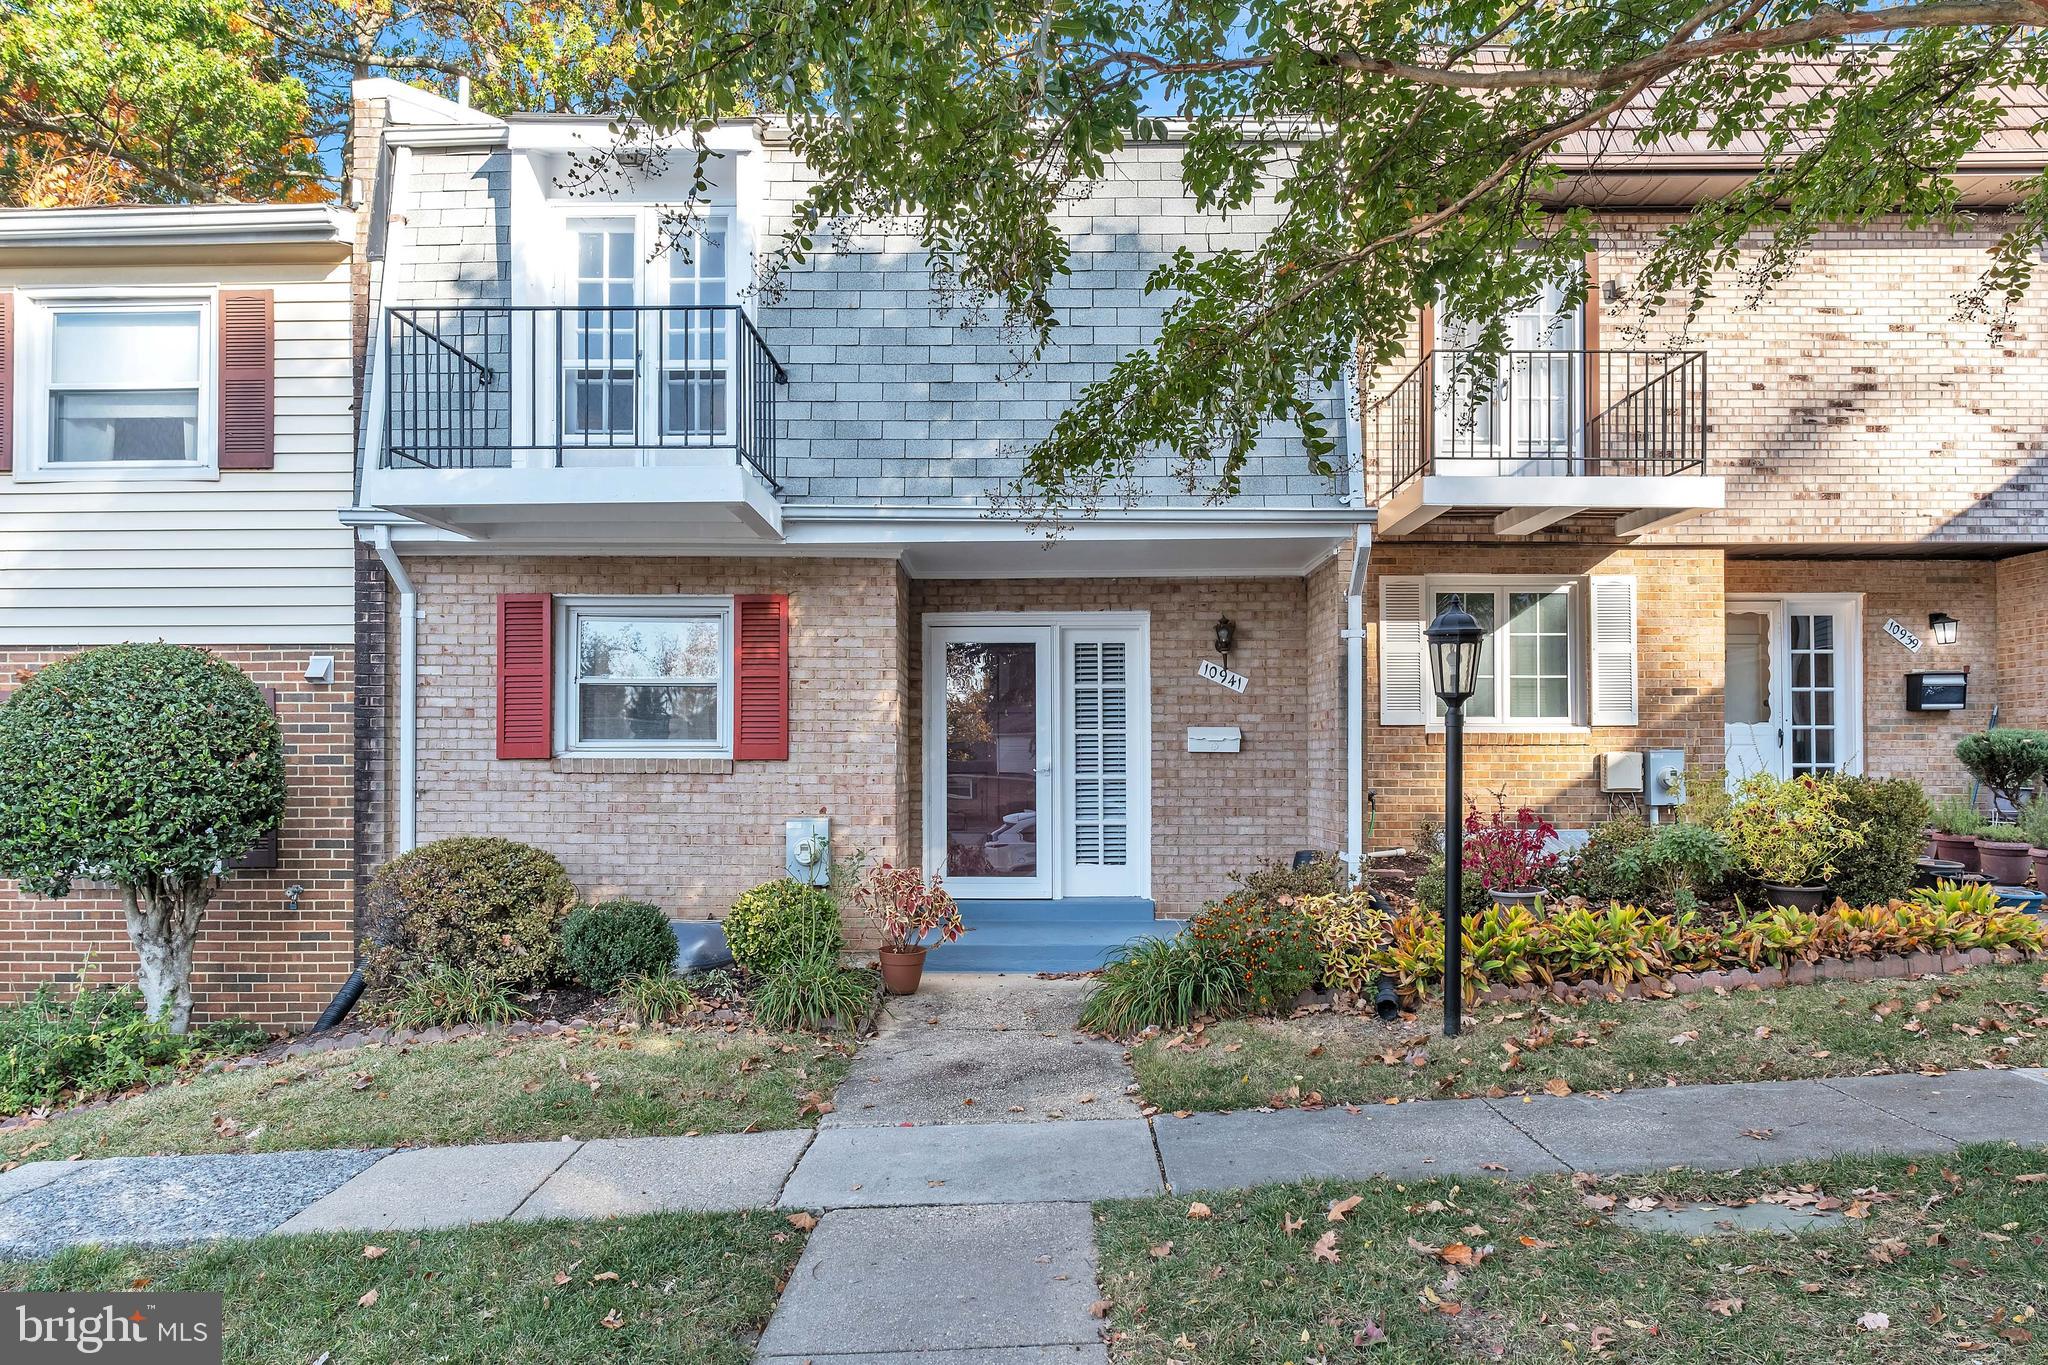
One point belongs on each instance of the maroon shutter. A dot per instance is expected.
(248, 379)
(6, 380)
(760, 653)
(526, 675)
(265, 855)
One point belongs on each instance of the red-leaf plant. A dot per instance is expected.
(1508, 852)
(906, 909)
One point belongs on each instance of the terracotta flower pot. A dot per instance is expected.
(2039, 858)
(1957, 848)
(1520, 895)
(902, 969)
(2005, 864)
(1810, 898)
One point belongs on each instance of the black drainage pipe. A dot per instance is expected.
(1386, 1001)
(345, 1000)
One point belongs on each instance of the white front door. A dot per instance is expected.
(1037, 762)
(1793, 700)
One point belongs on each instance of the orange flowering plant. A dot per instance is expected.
(910, 912)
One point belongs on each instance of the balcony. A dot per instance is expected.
(1544, 436)
(527, 423)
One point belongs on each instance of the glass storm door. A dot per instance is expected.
(996, 763)
(1791, 699)
(1755, 678)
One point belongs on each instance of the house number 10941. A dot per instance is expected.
(1221, 676)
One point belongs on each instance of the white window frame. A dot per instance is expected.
(35, 341)
(569, 612)
(1501, 585)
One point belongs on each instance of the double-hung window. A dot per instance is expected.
(1528, 665)
(647, 675)
(119, 387)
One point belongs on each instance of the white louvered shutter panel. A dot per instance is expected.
(1101, 791)
(1613, 652)
(1404, 663)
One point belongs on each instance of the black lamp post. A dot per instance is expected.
(1454, 643)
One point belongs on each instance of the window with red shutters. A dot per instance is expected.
(526, 672)
(248, 379)
(760, 677)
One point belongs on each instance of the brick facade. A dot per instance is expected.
(1678, 690)
(261, 956)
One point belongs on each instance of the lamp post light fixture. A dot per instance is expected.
(1226, 636)
(1944, 627)
(1454, 639)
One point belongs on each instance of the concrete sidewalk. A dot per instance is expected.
(46, 1206)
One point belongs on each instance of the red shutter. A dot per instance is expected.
(6, 380)
(760, 657)
(526, 675)
(248, 379)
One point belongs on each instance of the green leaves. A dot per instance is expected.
(151, 766)
(1381, 157)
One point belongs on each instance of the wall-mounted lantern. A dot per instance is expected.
(1944, 627)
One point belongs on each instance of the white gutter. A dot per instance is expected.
(176, 225)
(1354, 705)
(408, 691)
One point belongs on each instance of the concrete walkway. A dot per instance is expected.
(992, 1214)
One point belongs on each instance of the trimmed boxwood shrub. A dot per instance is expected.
(780, 921)
(1893, 812)
(474, 903)
(603, 944)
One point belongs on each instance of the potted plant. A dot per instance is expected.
(2034, 820)
(2009, 761)
(1787, 833)
(911, 915)
(2002, 854)
(1510, 854)
(1956, 822)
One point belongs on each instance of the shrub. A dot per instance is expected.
(1154, 981)
(1893, 815)
(1505, 852)
(1325, 875)
(1791, 830)
(488, 905)
(606, 943)
(657, 998)
(780, 921)
(1414, 951)
(1271, 948)
(811, 992)
(1957, 815)
(1430, 887)
(2009, 761)
(2003, 834)
(1676, 863)
(905, 909)
(1350, 927)
(2034, 820)
(442, 995)
(150, 766)
(1597, 871)
(97, 1042)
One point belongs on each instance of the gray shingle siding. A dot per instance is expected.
(891, 396)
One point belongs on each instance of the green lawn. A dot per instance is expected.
(1949, 1253)
(692, 1288)
(1828, 1029)
(488, 1089)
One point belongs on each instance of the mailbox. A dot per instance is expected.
(1937, 691)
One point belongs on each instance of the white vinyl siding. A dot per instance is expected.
(253, 556)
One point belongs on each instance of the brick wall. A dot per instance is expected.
(259, 957)
(689, 835)
(1898, 742)
(1212, 814)
(2022, 586)
(1678, 689)
(1325, 702)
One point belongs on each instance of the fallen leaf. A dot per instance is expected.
(372, 1253)
(1874, 1322)
(1600, 1338)
(1198, 1211)
(1459, 1254)
(802, 1222)
(1557, 1085)
(1162, 1251)
(1760, 1134)
(368, 1300)
(604, 1275)
(1290, 1225)
(1727, 1308)
(1100, 1308)
(611, 1321)
(1340, 1207)
(1325, 1248)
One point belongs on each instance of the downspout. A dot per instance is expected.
(1354, 706)
(408, 690)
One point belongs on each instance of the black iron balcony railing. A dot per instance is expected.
(492, 387)
(1543, 412)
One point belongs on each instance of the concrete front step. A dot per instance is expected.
(1047, 936)
(1096, 910)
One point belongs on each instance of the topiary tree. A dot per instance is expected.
(152, 767)
(2009, 761)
